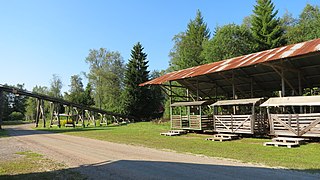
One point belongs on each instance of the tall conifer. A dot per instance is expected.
(136, 99)
(189, 45)
(266, 28)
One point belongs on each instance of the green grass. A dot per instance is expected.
(17, 122)
(31, 165)
(306, 157)
(3, 133)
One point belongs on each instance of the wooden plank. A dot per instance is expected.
(289, 140)
(313, 124)
(221, 139)
(170, 134)
(284, 124)
(278, 144)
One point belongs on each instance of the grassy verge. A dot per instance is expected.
(33, 166)
(3, 133)
(15, 122)
(307, 157)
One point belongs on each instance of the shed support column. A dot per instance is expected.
(299, 81)
(251, 88)
(283, 89)
(300, 89)
(1, 108)
(233, 88)
(234, 97)
(197, 90)
(170, 99)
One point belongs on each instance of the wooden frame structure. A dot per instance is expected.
(78, 111)
(297, 121)
(190, 116)
(229, 117)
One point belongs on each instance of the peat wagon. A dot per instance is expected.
(239, 116)
(297, 116)
(191, 115)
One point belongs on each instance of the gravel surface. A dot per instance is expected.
(106, 160)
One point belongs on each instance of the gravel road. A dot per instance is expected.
(106, 160)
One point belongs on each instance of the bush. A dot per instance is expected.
(14, 116)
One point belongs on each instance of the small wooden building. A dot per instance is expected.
(294, 116)
(239, 116)
(191, 115)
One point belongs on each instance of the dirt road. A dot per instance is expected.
(106, 160)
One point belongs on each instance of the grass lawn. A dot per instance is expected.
(30, 165)
(3, 133)
(306, 157)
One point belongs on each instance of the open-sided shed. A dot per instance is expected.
(239, 116)
(289, 69)
(294, 116)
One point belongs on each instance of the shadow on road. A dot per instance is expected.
(127, 169)
(19, 130)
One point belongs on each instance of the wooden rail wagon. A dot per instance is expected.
(239, 116)
(191, 115)
(297, 116)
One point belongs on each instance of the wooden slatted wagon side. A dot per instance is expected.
(297, 116)
(239, 116)
(191, 116)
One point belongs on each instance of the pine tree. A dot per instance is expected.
(266, 28)
(189, 45)
(136, 99)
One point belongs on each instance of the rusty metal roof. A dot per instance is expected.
(285, 52)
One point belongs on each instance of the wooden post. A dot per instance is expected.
(289, 120)
(83, 116)
(38, 112)
(283, 88)
(197, 90)
(58, 115)
(231, 123)
(300, 89)
(251, 88)
(233, 93)
(233, 87)
(213, 114)
(42, 112)
(1, 107)
(170, 99)
(200, 123)
(270, 122)
(52, 106)
(298, 125)
(72, 117)
(93, 120)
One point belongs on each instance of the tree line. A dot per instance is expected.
(113, 85)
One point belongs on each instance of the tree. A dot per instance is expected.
(31, 103)
(76, 91)
(188, 45)
(106, 76)
(306, 27)
(77, 94)
(229, 41)
(266, 28)
(157, 97)
(55, 86)
(136, 99)
(87, 96)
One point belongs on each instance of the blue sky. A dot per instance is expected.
(39, 38)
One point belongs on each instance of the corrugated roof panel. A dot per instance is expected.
(241, 61)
